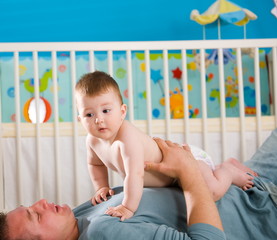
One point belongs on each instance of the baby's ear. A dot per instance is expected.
(123, 110)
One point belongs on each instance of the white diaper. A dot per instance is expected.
(200, 154)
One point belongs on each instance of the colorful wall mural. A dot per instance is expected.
(139, 83)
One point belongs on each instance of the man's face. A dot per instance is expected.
(47, 220)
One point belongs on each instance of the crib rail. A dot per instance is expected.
(146, 45)
(166, 128)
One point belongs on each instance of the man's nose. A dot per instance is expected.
(40, 203)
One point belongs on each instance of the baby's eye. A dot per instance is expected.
(106, 110)
(89, 115)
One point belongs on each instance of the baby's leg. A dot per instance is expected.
(217, 187)
(239, 165)
(223, 176)
(239, 176)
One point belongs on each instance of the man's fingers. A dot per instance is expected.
(186, 146)
(161, 143)
(171, 144)
(151, 166)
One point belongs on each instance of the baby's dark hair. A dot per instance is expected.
(95, 83)
(3, 226)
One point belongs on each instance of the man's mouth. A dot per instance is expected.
(57, 208)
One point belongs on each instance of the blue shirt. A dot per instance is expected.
(246, 215)
(161, 215)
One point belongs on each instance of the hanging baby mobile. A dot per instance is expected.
(226, 11)
(223, 10)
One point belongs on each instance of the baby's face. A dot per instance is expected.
(101, 115)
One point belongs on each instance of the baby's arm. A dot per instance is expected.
(99, 176)
(133, 160)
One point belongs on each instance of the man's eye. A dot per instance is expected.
(38, 216)
(89, 115)
(106, 110)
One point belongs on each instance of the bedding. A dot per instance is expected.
(250, 214)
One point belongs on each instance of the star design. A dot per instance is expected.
(177, 73)
(156, 75)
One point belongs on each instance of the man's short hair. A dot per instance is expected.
(4, 231)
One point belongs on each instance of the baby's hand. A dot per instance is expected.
(101, 195)
(120, 211)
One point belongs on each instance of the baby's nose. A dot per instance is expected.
(98, 120)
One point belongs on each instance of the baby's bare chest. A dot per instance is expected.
(112, 158)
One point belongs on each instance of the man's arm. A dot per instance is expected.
(178, 162)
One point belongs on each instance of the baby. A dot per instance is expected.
(113, 142)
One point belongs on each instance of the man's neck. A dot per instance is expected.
(74, 235)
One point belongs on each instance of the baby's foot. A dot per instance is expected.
(241, 166)
(242, 179)
(247, 186)
(239, 177)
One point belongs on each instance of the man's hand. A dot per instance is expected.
(177, 159)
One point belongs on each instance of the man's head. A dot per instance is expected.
(40, 221)
(3, 226)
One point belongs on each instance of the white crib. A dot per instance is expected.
(48, 160)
